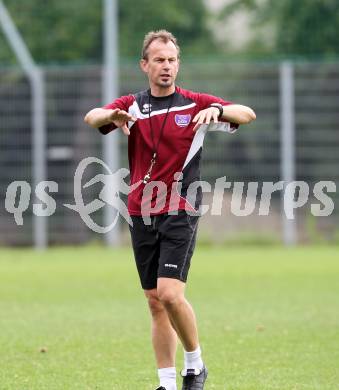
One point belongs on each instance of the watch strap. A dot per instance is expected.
(219, 107)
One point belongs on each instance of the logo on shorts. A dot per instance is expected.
(182, 120)
(171, 266)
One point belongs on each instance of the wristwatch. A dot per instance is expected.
(219, 107)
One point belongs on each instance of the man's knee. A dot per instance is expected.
(155, 305)
(169, 296)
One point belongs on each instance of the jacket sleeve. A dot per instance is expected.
(123, 103)
(205, 100)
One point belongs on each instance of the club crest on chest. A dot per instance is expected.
(182, 120)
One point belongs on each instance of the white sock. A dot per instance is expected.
(193, 359)
(167, 378)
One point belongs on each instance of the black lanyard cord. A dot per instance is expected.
(155, 147)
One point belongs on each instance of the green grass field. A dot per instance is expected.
(268, 319)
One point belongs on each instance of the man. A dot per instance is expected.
(162, 124)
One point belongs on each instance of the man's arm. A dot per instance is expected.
(234, 113)
(99, 117)
(239, 114)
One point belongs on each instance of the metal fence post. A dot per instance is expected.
(110, 145)
(40, 226)
(35, 75)
(287, 134)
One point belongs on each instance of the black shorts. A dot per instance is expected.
(165, 247)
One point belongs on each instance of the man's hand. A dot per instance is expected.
(99, 117)
(234, 113)
(205, 116)
(121, 118)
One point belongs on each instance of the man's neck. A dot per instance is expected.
(161, 92)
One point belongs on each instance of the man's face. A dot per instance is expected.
(162, 64)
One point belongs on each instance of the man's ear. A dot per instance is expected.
(143, 65)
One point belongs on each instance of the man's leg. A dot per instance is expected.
(164, 339)
(171, 295)
(178, 236)
(180, 312)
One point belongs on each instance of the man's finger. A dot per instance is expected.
(125, 129)
(202, 118)
(196, 117)
(215, 117)
(208, 117)
(200, 122)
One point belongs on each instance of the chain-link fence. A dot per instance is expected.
(253, 154)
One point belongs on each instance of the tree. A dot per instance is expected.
(303, 27)
(71, 31)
